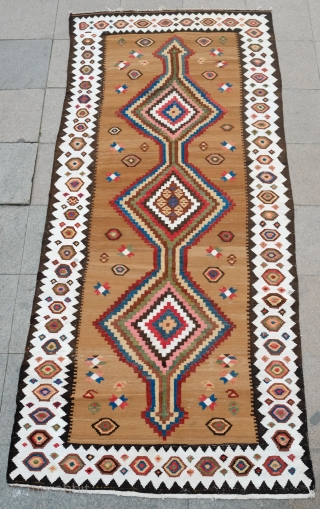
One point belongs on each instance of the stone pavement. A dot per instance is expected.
(33, 61)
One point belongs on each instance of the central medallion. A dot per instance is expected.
(166, 327)
(173, 107)
(172, 202)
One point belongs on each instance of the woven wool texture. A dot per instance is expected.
(164, 358)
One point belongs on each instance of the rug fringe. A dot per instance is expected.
(164, 8)
(80, 490)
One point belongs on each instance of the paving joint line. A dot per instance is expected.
(43, 104)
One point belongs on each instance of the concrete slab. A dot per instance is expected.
(76, 500)
(151, 5)
(17, 168)
(51, 117)
(305, 62)
(307, 240)
(215, 4)
(301, 115)
(303, 167)
(311, 373)
(27, 20)
(291, 18)
(314, 8)
(315, 502)
(20, 498)
(238, 504)
(13, 223)
(33, 240)
(8, 292)
(317, 45)
(22, 313)
(20, 115)
(31, 59)
(3, 366)
(42, 176)
(78, 6)
(308, 287)
(8, 404)
(58, 64)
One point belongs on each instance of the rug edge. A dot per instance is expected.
(50, 209)
(162, 496)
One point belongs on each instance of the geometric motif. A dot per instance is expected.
(275, 465)
(105, 426)
(48, 369)
(54, 325)
(113, 234)
(207, 466)
(218, 426)
(134, 74)
(71, 214)
(208, 401)
(270, 235)
(273, 277)
(263, 124)
(269, 215)
(60, 289)
(272, 323)
(209, 75)
(213, 274)
(44, 392)
(145, 42)
(72, 464)
(120, 270)
(141, 465)
(226, 360)
(277, 369)
(262, 142)
(173, 203)
(39, 438)
(215, 159)
(241, 465)
(268, 196)
(266, 177)
(51, 347)
(174, 466)
(36, 461)
(281, 413)
(67, 252)
(107, 465)
(279, 391)
(57, 307)
(274, 300)
(204, 41)
(226, 236)
(41, 415)
(283, 440)
(274, 346)
(271, 255)
(131, 160)
(165, 329)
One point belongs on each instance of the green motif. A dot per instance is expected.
(233, 407)
(94, 407)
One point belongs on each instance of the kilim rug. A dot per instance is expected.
(164, 353)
